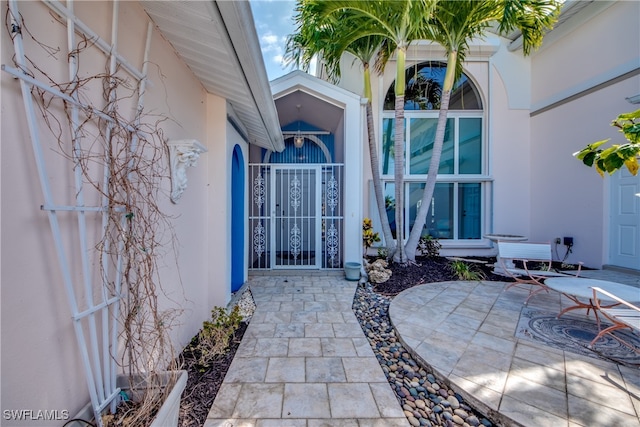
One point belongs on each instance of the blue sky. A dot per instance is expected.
(274, 22)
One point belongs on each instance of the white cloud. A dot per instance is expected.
(272, 47)
(269, 39)
(273, 25)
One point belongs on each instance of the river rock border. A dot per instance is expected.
(424, 400)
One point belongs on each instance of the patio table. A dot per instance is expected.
(576, 288)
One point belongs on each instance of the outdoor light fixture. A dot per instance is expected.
(298, 141)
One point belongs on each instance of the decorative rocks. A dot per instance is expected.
(424, 401)
(246, 305)
(377, 271)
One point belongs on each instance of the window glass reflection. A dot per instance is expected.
(422, 136)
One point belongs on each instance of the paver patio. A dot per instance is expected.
(470, 340)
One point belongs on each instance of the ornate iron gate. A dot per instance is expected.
(296, 216)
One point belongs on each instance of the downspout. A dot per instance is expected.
(490, 145)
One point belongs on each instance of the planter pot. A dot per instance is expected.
(352, 270)
(168, 413)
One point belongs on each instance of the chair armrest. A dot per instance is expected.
(580, 264)
(613, 297)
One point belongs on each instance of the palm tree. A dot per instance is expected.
(452, 25)
(398, 22)
(330, 42)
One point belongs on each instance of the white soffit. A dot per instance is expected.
(218, 42)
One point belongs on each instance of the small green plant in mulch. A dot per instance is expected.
(383, 253)
(429, 246)
(216, 334)
(466, 271)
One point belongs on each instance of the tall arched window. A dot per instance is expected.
(458, 205)
(423, 89)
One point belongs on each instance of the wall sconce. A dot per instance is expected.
(298, 140)
(182, 154)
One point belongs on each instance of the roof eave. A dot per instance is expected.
(240, 28)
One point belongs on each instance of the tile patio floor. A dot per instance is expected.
(304, 361)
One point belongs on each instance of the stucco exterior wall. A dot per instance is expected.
(575, 55)
(41, 368)
(568, 199)
(509, 154)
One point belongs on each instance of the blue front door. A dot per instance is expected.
(237, 219)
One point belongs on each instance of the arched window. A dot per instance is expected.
(423, 89)
(457, 208)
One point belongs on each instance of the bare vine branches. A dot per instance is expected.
(123, 171)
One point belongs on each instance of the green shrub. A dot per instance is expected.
(383, 253)
(465, 271)
(429, 246)
(216, 334)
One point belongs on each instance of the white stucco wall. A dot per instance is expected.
(40, 367)
(578, 56)
(509, 146)
(567, 198)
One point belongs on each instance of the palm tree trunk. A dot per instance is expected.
(398, 146)
(387, 147)
(432, 175)
(375, 167)
(377, 184)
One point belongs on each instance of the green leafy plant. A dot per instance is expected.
(369, 237)
(383, 253)
(216, 334)
(429, 246)
(466, 271)
(616, 156)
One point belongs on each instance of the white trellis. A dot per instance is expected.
(95, 318)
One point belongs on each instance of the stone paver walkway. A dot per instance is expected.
(466, 332)
(304, 361)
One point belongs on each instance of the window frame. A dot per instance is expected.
(483, 178)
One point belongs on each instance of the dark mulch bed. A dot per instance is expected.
(429, 270)
(204, 381)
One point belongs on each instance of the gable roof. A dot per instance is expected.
(218, 42)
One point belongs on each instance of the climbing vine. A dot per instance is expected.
(120, 165)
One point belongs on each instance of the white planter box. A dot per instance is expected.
(168, 414)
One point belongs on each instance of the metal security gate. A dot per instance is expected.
(296, 211)
(296, 216)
